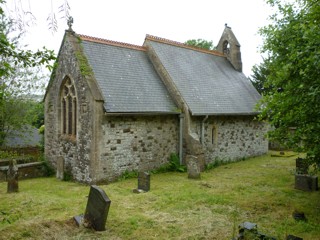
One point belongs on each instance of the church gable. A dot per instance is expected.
(73, 106)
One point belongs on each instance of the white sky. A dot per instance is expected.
(130, 20)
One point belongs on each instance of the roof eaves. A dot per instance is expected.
(179, 44)
(139, 113)
(111, 42)
(227, 114)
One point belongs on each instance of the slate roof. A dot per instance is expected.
(29, 136)
(126, 78)
(207, 81)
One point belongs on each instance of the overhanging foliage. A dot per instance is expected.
(292, 44)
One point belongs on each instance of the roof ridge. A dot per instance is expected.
(179, 44)
(111, 42)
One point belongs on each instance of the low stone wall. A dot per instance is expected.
(31, 151)
(26, 170)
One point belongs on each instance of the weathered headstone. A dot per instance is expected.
(143, 183)
(60, 168)
(193, 167)
(96, 211)
(306, 182)
(12, 177)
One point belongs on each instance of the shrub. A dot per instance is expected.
(174, 164)
(128, 174)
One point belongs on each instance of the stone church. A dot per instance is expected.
(112, 106)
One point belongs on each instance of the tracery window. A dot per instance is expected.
(69, 108)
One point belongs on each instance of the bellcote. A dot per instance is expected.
(230, 46)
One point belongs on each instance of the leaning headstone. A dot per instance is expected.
(12, 177)
(96, 211)
(143, 183)
(60, 168)
(193, 167)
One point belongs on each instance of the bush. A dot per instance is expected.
(128, 174)
(174, 164)
(48, 169)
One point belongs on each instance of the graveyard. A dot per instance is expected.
(259, 190)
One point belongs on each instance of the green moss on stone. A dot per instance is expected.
(84, 65)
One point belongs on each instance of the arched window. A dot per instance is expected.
(69, 108)
(214, 135)
(226, 47)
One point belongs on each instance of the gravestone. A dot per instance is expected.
(306, 182)
(97, 210)
(143, 182)
(193, 167)
(60, 168)
(12, 177)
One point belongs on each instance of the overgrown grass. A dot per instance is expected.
(259, 190)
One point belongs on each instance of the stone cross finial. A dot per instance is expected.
(70, 22)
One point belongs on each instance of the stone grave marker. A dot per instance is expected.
(303, 180)
(193, 167)
(143, 182)
(306, 182)
(60, 168)
(12, 177)
(97, 210)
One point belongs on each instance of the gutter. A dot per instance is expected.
(181, 116)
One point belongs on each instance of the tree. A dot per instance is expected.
(201, 43)
(258, 78)
(292, 44)
(18, 76)
(20, 13)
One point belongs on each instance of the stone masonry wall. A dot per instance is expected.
(74, 150)
(137, 143)
(232, 138)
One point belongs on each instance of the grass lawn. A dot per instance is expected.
(259, 190)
